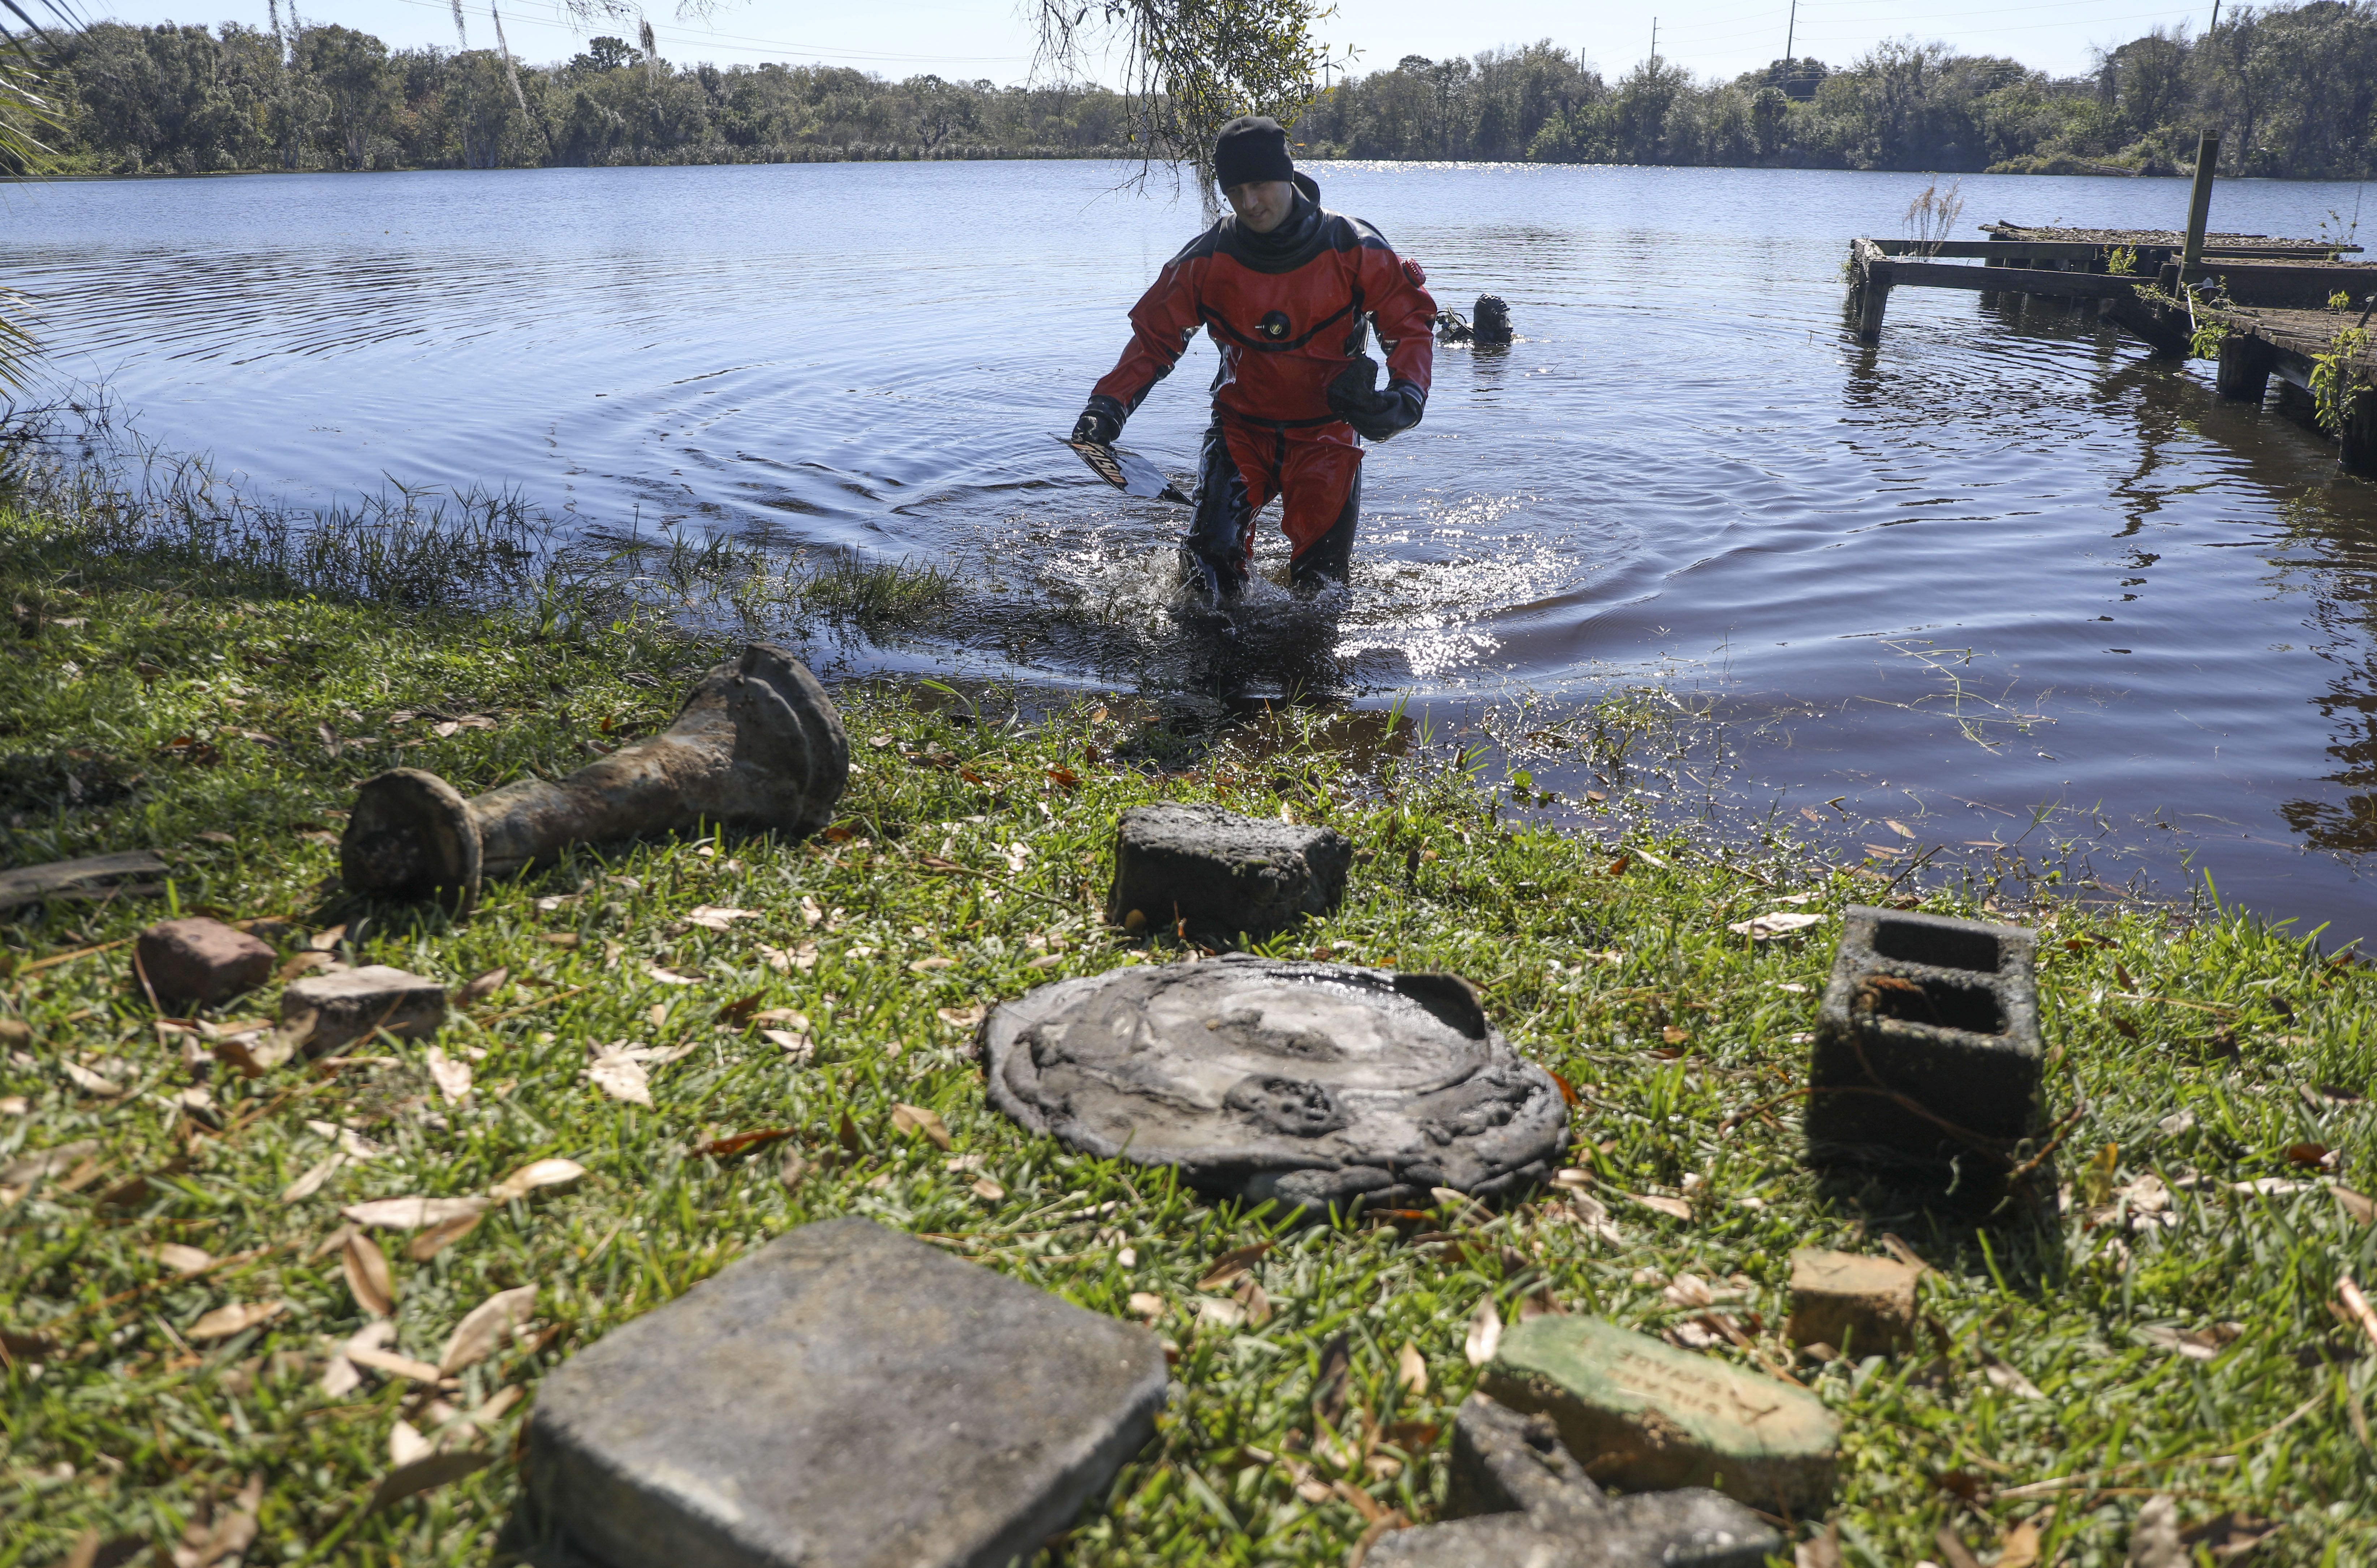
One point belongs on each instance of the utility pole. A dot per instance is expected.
(1655, 39)
(1792, 31)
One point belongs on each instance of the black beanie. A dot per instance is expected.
(1251, 148)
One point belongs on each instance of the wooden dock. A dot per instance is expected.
(2269, 304)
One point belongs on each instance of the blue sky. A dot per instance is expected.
(993, 37)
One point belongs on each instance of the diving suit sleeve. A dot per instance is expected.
(1404, 315)
(1161, 325)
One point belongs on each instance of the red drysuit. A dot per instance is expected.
(1288, 311)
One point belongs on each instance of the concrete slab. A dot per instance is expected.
(845, 1397)
(1859, 1306)
(353, 1004)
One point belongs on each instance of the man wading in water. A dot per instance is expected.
(1287, 291)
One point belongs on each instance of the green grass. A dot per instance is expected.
(1628, 983)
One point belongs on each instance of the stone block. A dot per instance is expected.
(1642, 1414)
(845, 1397)
(1223, 873)
(1518, 1497)
(1859, 1306)
(352, 1004)
(1312, 1086)
(1928, 1054)
(198, 962)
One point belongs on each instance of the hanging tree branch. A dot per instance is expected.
(1189, 66)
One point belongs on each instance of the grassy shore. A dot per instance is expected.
(212, 715)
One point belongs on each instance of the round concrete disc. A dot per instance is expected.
(1311, 1083)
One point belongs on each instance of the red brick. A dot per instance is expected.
(200, 960)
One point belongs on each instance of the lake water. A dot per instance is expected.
(2149, 609)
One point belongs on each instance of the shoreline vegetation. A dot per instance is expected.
(2292, 89)
(184, 1282)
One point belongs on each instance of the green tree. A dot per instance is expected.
(353, 71)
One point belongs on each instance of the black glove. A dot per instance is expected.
(1375, 414)
(1100, 422)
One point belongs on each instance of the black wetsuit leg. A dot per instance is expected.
(1330, 558)
(1221, 533)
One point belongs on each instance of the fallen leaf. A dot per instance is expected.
(90, 1082)
(795, 1170)
(742, 1143)
(357, 1148)
(411, 1212)
(717, 918)
(1674, 1208)
(960, 1017)
(1146, 1304)
(1410, 1368)
(179, 1258)
(393, 1364)
(1689, 1290)
(1333, 1380)
(366, 1269)
(2020, 1547)
(1485, 1335)
(784, 1017)
(406, 1444)
(1220, 1312)
(812, 912)
(2154, 1539)
(424, 1474)
(1774, 923)
(927, 965)
(910, 1119)
(483, 988)
(536, 1176)
(1232, 1263)
(28, 1168)
(1895, 826)
(670, 976)
(236, 1318)
(622, 1077)
(989, 1191)
(796, 1045)
(2313, 1154)
(453, 1078)
(2360, 1208)
(313, 1181)
(437, 1237)
(477, 1335)
(2009, 1378)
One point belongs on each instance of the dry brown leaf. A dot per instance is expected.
(436, 1239)
(453, 1078)
(1485, 1335)
(2011, 1379)
(389, 1362)
(313, 1181)
(1221, 1312)
(795, 1170)
(798, 1046)
(2355, 1205)
(424, 1474)
(237, 1317)
(717, 918)
(1674, 1208)
(90, 1082)
(483, 988)
(2154, 1539)
(1820, 1552)
(1146, 1304)
(368, 1276)
(989, 1191)
(907, 1119)
(622, 1077)
(1231, 1264)
(1774, 923)
(1412, 1368)
(179, 1258)
(406, 1444)
(790, 1018)
(2020, 1548)
(960, 1017)
(477, 1335)
(26, 1170)
(1249, 1295)
(535, 1177)
(670, 976)
(411, 1212)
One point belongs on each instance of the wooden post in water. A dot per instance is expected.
(1873, 291)
(2199, 204)
(2357, 442)
(2244, 373)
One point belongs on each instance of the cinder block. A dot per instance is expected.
(1927, 1055)
(845, 1397)
(201, 962)
(1223, 873)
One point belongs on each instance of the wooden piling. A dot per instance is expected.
(2244, 375)
(1873, 289)
(2357, 442)
(2199, 203)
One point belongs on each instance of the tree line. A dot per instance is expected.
(2291, 88)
